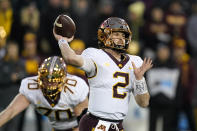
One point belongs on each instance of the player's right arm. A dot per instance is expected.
(68, 54)
(19, 103)
(72, 58)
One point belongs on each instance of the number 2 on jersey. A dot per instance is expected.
(120, 84)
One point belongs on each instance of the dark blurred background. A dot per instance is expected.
(165, 30)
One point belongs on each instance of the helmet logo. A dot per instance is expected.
(57, 24)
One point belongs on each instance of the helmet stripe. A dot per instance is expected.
(52, 65)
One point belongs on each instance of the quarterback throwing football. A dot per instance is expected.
(54, 93)
(112, 73)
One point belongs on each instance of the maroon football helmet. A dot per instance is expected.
(113, 24)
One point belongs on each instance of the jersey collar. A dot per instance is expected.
(53, 103)
(121, 63)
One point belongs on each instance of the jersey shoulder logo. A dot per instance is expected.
(107, 64)
(130, 68)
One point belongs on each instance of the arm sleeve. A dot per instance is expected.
(89, 67)
(23, 89)
(89, 64)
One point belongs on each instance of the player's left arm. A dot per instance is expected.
(80, 107)
(80, 110)
(141, 93)
(19, 103)
(68, 54)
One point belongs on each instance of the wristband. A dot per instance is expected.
(62, 41)
(140, 87)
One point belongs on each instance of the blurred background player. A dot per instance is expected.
(54, 93)
(112, 74)
(12, 70)
(187, 83)
(32, 61)
(164, 86)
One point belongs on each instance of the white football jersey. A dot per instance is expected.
(61, 116)
(111, 86)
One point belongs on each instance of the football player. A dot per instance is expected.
(54, 93)
(112, 74)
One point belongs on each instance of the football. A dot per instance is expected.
(64, 26)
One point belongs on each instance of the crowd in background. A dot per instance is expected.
(165, 30)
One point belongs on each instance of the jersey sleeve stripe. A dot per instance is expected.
(96, 69)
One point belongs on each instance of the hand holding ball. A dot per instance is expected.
(64, 26)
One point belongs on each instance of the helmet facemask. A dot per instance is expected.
(51, 78)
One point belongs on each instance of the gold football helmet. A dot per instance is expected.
(51, 78)
(113, 24)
